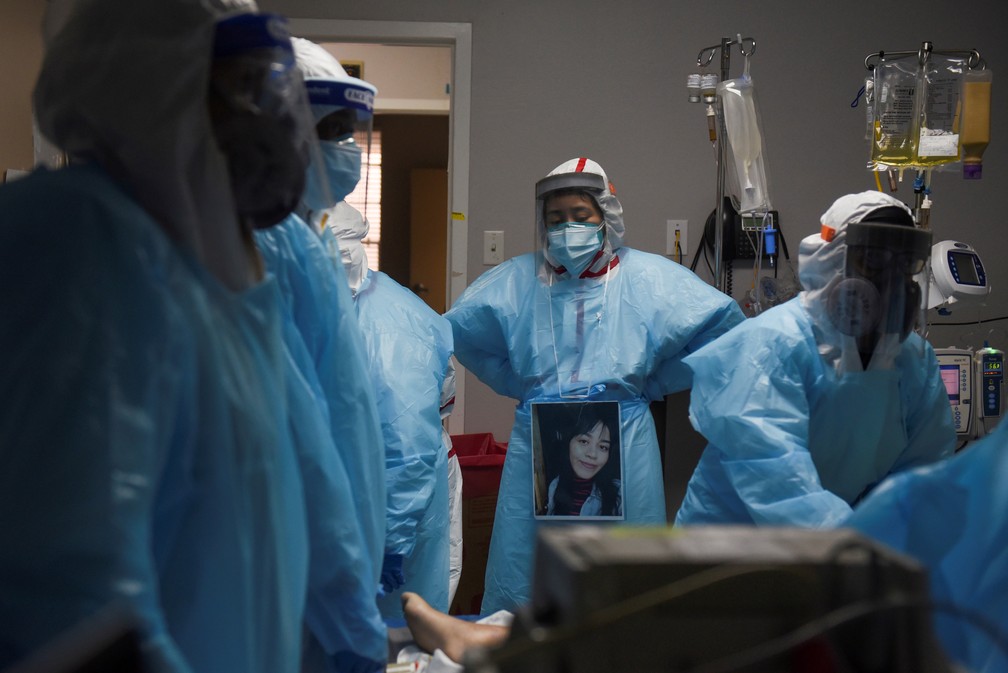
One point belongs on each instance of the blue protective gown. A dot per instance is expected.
(145, 456)
(619, 339)
(341, 611)
(318, 297)
(952, 516)
(790, 443)
(408, 346)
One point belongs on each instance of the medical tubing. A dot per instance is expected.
(757, 268)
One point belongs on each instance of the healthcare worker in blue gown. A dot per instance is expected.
(342, 109)
(951, 516)
(322, 330)
(146, 453)
(408, 348)
(809, 405)
(582, 319)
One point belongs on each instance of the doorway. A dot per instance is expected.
(457, 37)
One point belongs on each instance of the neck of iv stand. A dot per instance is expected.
(719, 275)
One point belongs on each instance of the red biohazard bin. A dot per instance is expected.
(481, 459)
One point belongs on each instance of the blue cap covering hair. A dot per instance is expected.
(245, 32)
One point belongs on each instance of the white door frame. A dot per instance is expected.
(458, 36)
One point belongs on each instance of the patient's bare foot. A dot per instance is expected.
(433, 629)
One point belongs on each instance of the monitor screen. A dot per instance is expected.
(964, 266)
(950, 377)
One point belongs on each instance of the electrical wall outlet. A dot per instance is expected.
(674, 227)
(493, 247)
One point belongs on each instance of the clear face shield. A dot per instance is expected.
(260, 116)
(344, 114)
(570, 224)
(880, 298)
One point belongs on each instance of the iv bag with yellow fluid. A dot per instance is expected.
(897, 83)
(940, 111)
(745, 162)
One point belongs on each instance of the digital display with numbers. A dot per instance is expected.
(992, 367)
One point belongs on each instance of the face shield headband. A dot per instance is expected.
(588, 182)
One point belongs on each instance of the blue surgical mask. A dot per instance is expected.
(342, 169)
(574, 245)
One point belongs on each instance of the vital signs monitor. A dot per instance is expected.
(956, 274)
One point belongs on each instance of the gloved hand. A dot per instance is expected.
(391, 573)
(351, 662)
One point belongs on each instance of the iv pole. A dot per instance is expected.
(704, 58)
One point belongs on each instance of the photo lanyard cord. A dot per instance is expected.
(581, 354)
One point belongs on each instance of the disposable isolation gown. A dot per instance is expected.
(145, 457)
(408, 347)
(341, 613)
(952, 516)
(621, 336)
(793, 443)
(323, 312)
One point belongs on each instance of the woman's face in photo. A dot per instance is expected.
(589, 451)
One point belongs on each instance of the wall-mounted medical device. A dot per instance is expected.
(956, 274)
(956, 367)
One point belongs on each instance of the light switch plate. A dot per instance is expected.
(493, 247)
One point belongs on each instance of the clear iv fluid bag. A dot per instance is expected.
(897, 126)
(916, 111)
(744, 150)
(940, 111)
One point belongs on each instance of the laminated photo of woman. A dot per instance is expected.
(583, 463)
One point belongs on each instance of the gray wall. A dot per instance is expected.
(556, 79)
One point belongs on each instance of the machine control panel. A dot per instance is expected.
(956, 367)
(990, 372)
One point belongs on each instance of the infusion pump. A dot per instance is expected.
(975, 386)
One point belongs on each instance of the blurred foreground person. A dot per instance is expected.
(146, 458)
(952, 517)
